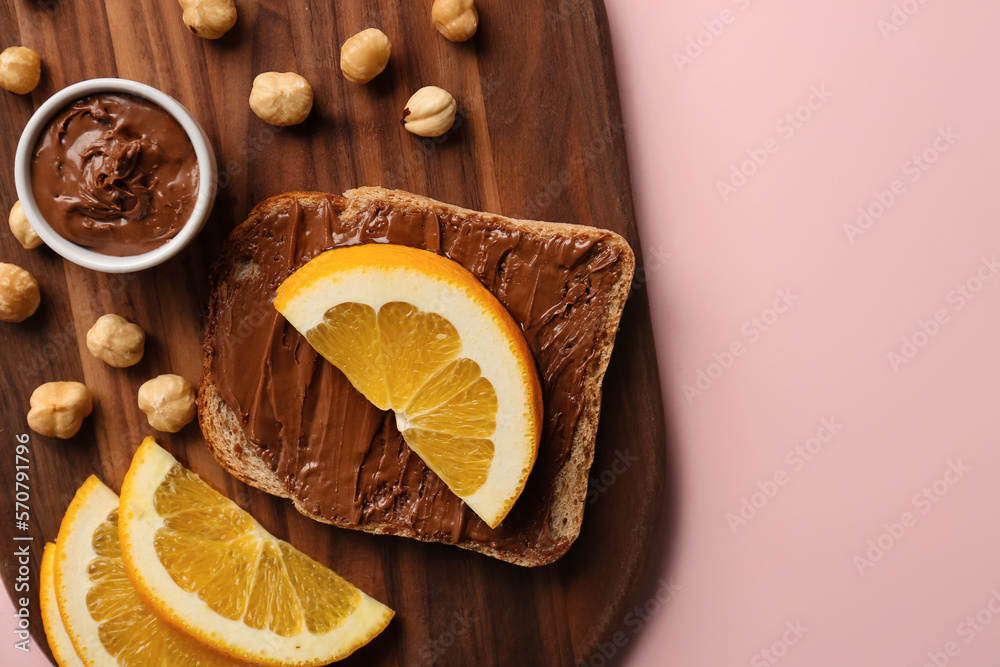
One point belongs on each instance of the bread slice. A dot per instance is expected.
(591, 273)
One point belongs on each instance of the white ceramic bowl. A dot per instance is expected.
(207, 176)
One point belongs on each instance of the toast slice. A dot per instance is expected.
(283, 420)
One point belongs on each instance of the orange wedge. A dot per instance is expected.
(417, 334)
(208, 568)
(107, 622)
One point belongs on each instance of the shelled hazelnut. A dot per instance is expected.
(19, 293)
(281, 98)
(430, 112)
(168, 401)
(210, 19)
(457, 20)
(20, 69)
(21, 228)
(365, 56)
(116, 341)
(58, 409)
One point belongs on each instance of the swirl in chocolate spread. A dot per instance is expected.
(339, 454)
(115, 173)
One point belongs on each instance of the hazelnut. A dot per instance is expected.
(210, 19)
(455, 19)
(21, 228)
(58, 409)
(364, 56)
(19, 294)
(168, 401)
(116, 341)
(430, 112)
(20, 69)
(281, 98)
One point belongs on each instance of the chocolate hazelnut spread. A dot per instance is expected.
(342, 457)
(115, 173)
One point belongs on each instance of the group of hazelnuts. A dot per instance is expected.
(286, 98)
(59, 408)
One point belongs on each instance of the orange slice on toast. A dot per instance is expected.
(418, 334)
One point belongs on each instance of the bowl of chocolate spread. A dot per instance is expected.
(115, 175)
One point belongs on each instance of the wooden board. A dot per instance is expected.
(540, 135)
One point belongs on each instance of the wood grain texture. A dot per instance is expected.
(539, 135)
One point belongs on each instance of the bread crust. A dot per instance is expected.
(224, 434)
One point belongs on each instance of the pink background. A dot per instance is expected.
(896, 425)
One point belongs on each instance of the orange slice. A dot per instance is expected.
(107, 622)
(209, 569)
(59, 642)
(417, 334)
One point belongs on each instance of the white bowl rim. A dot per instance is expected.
(207, 175)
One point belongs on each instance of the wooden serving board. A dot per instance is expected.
(540, 135)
